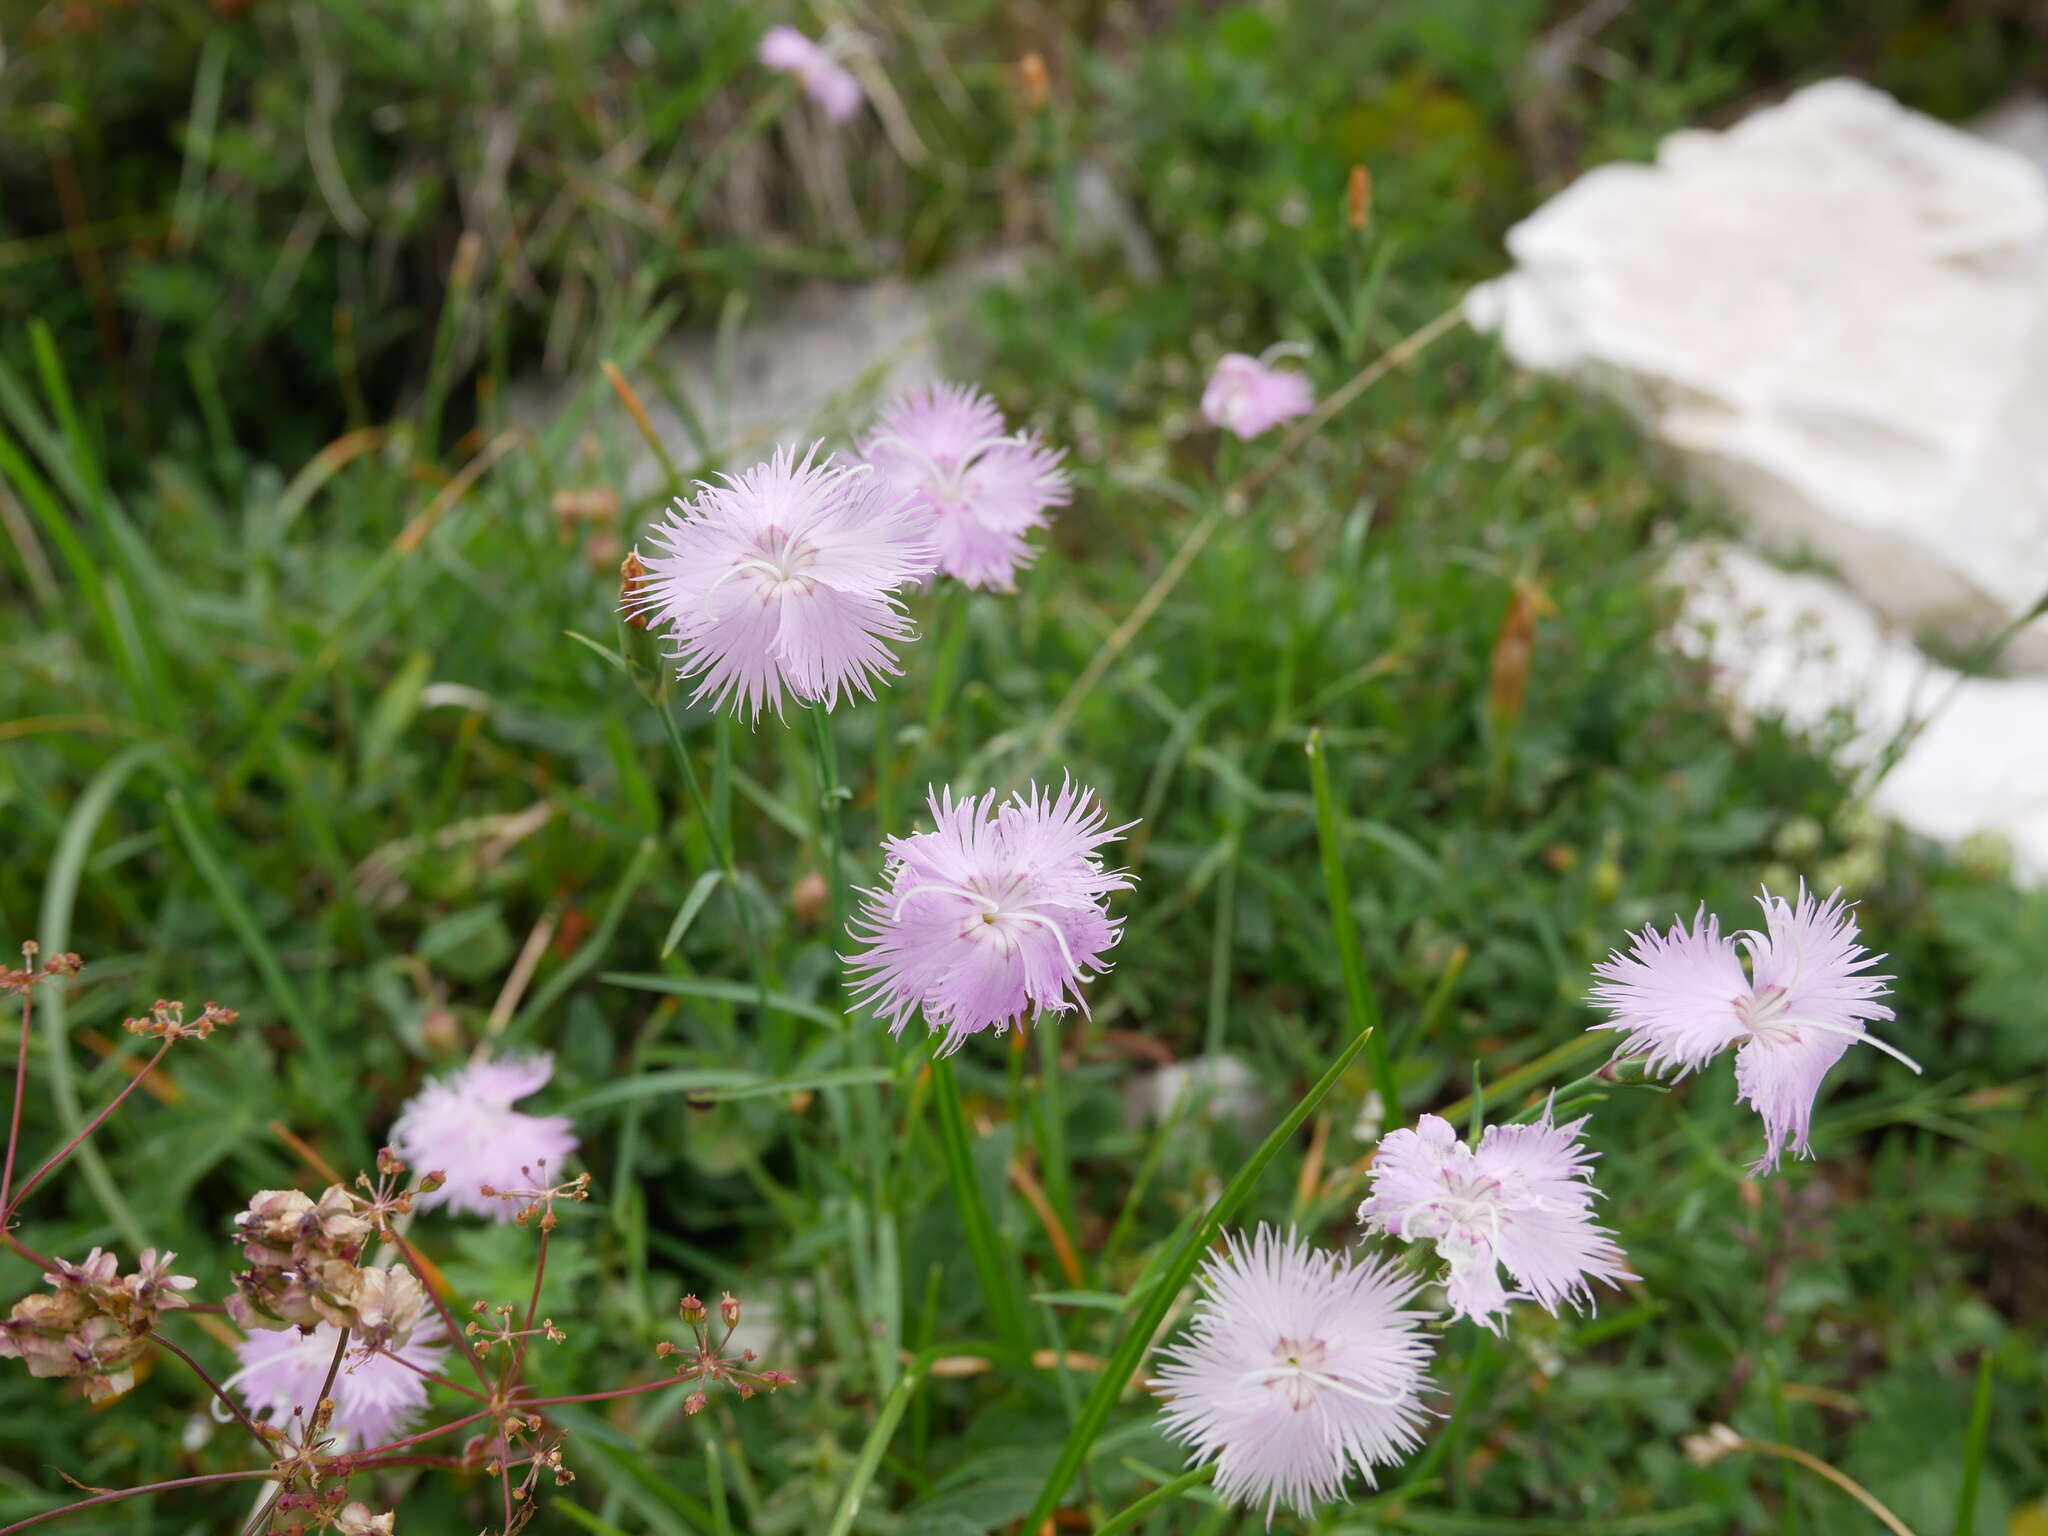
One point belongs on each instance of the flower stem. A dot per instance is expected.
(216, 1389)
(20, 1091)
(134, 1493)
(721, 846)
(1158, 1498)
(1812, 1463)
(57, 1157)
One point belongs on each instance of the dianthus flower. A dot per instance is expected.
(97, 1323)
(1682, 997)
(824, 79)
(983, 487)
(783, 578)
(1250, 397)
(1297, 1367)
(999, 910)
(464, 1126)
(1522, 1199)
(376, 1398)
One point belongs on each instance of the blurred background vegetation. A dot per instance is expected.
(289, 716)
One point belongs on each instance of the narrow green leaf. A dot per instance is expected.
(725, 992)
(1145, 1321)
(686, 914)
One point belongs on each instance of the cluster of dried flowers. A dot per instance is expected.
(346, 1329)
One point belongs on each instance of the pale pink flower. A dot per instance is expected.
(1682, 997)
(1523, 1199)
(998, 911)
(783, 578)
(1250, 397)
(464, 1126)
(376, 1398)
(824, 79)
(1297, 1366)
(984, 487)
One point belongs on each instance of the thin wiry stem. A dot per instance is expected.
(540, 1265)
(20, 1092)
(433, 1434)
(116, 1495)
(434, 1376)
(216, 1389)
(1812, 1463)
(135, 1082)
(419, 1269)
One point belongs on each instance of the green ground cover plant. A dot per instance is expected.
(317, 702)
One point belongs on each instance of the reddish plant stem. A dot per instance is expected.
(601, 1397)
(20, 1092)
(435, 1433)
(434, 1376)
(412, 1259)
(261, 1516)
(135, 1082)
(9, 1240)
(540, 1266)
(216, 1389)
(333, 1367)
(132, 1493)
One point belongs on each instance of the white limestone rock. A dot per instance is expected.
(1805, 650)
(1837, 311)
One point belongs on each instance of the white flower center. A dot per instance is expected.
(1004, 911)
(1297, 1371)
(942, 479)
(1464, 1218)
(778, 566)
(1763, 1015)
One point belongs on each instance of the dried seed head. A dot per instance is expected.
(633, 590)
(1358, 198)
(1037, 83)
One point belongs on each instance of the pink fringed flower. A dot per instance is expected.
(464, 1126)
(999, 910)
(824, 79)
(376, 1398)
(782, 578)
(983, 487)
(1523, 1199)
(1682, 997)
(1249, 397)
(1297, 1367)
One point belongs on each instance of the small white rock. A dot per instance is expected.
(1805, 650)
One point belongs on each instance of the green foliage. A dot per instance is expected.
(318, 737)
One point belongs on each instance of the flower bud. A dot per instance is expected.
(729, 1309)
(692, 1310)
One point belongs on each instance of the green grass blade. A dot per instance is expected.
(1000, 1285)
(1973, 1448)
(1361, 1007)
(305, 1027)
(1158, 1498)
(876, 1446)
(60, 898)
